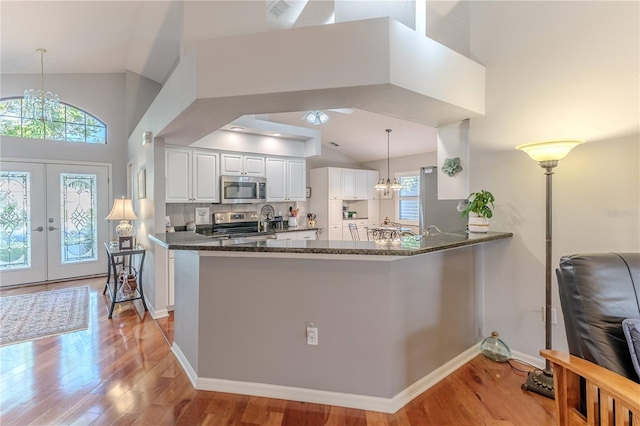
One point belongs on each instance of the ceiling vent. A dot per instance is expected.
(277, 8)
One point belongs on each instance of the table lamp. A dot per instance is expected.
(123, 211)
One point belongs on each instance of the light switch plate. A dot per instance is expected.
(202, 215)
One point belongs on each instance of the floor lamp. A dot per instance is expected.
(547, 155)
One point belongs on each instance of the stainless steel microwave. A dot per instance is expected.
(243, 190)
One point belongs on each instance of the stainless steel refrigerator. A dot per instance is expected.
(442, 213)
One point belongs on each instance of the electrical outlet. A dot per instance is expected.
(312, 334)
(554, 315)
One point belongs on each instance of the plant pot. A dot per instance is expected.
(478, 224)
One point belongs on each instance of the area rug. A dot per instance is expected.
(48, 313)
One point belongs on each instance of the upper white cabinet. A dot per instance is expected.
(286, 179)
(242, 165)
(179, 175)
(372, 178)
(335, 183)
(191, 176)
(355, 184)
(348, 184)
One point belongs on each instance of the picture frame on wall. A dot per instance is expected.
(386, 194)
(125, 243)
(142, 184)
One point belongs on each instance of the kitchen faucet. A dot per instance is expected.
(425, 232)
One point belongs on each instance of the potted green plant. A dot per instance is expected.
(479, 205)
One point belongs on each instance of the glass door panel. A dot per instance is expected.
(76, 207)
(79, 223)
(22, 236)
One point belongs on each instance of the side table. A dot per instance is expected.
(129, 269)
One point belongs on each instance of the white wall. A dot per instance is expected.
(102, 95)
(140, 93)
(554, 70)
(331, 157)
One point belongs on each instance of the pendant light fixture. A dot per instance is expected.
(39, 104)
(387, 184)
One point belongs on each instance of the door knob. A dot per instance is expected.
(39, 229)
(53, 228)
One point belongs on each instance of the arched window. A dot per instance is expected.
(69, 124)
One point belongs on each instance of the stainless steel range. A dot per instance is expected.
(239, 225)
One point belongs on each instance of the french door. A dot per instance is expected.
(52, 221)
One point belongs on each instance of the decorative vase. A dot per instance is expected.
(478, 223)
(312, 224)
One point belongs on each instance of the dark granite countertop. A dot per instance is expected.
(408, 246)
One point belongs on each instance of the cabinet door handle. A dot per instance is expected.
(39, 229)
(53, 228)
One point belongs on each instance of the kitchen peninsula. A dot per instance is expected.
(392, 318)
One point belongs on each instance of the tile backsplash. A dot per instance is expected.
(181, 213)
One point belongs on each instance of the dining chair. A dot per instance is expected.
(353, 229)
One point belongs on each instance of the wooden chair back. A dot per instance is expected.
(611, 399)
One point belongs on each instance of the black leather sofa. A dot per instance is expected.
(597, 292)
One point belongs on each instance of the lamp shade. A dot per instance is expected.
(549, 150)
(122, 210)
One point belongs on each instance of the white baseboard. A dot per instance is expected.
(533, 360)
(362, 402)
(188, 370)
(428, 381)
(161, 313)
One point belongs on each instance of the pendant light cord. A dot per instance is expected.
(42, 68)
(388, 153)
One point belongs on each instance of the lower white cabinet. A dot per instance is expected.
(297, 235)
(171, 279)
(335, 232)
(307, 235)
(362, 231)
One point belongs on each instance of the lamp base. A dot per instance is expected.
(540, 382)
(124, 229)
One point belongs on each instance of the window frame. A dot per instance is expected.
(24, 116)
(398, 198)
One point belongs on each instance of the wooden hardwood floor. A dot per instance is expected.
(121, 372)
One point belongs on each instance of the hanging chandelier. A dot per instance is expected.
(39, 104)
(387, 184)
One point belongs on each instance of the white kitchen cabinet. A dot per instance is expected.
(171, 279)
(362, 231)
(296, 180)
(335, 213)
(335, 233)
(191, 176)
(362, 184)
(286, 179)
(348, 184)
(286, 235)
(372, 178)
(178, 174)
(326, 199)
(242, 164)
(206, 178)
(335, 183)
(297, 235)
(355, 184)
(307, 235)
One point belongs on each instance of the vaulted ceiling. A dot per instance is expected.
(147, 37)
